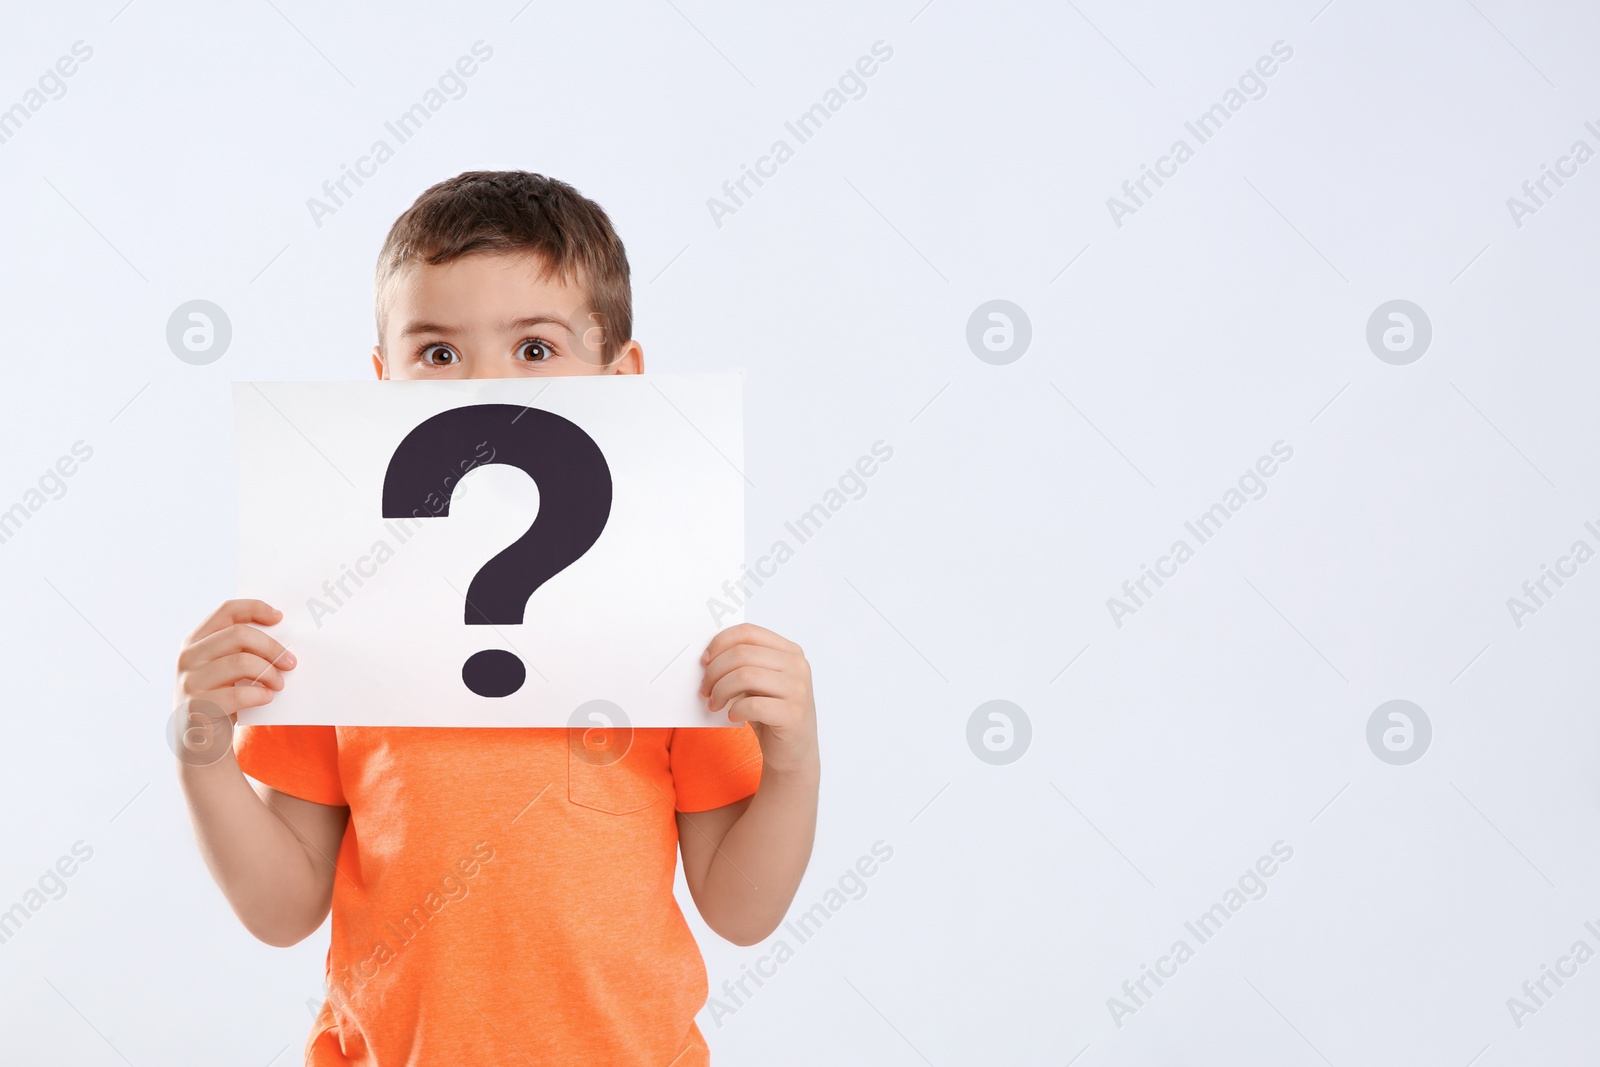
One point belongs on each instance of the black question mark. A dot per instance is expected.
(574, 483)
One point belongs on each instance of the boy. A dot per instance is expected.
(504, 895)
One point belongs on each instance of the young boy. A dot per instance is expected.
(504, 895)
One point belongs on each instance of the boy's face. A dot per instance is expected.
(492, 316)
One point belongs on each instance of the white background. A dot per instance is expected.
(1168, 354)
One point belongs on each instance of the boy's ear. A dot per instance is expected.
(378, 364)
(631, 360)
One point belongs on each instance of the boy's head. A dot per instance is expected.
(499, 274)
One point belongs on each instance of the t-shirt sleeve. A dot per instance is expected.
(302, 761)
(713, 766)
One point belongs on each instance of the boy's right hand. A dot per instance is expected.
(230, 664)
(268, 851)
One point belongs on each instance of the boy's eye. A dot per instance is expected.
(534, 351)
(430, 354)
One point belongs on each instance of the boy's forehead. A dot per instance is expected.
(500, 285)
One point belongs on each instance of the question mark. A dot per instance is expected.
(574, 504)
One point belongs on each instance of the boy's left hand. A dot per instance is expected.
(764, 679)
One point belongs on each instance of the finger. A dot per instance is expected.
(233, 611)
(758, 709)
(235, 638)
(744, 656)
(750, 681)
(233, 699)
(234, 667)
(747, 633)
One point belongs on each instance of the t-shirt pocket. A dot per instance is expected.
(600, 774)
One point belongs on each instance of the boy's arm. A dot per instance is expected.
(743, 862)
(271, 854)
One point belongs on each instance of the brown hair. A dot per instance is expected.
(518, 211)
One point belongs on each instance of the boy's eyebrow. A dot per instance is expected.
(425, 327)
(542, 319)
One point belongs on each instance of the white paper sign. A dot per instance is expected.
(375, 515)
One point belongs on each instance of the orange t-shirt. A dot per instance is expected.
(503, 895)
